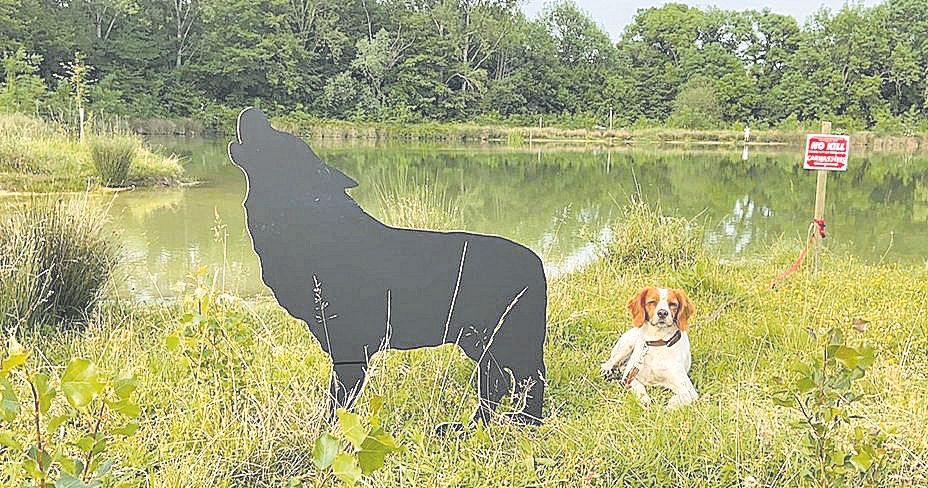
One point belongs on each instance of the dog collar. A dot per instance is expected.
(669, 342)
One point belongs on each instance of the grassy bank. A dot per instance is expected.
(473, 132)
(223, 123)
(36, 156)
(233, 392)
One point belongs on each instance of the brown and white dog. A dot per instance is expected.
(656, 350)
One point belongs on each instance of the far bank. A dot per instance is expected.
(547, 131)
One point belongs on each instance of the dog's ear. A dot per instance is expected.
(637, 307)
(686, 310)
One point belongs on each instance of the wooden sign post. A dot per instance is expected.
(824, 153)
(821, 184)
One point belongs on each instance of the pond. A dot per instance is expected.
(556, 200)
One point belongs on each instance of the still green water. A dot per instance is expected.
(558, 201)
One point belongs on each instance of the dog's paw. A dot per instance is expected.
(678, 401)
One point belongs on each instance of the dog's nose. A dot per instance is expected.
(662, 314)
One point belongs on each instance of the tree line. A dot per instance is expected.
(455, 60)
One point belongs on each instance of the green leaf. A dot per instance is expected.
(805, 385)
(345, 466)
(867, 356)
(350, 424)
(80, 382)
(35, 455)
(16, 355)
(45, 391)
(481, 434)
(172, 342)
(127, 430)
(783, 401)
(124, 384)
(68, 481)
(325, 450)
(9, 404)
(374, 450)
(104, 468)
(847, 356)
(85, 443)
(126, 407)
(32, 468)
(861, 461)
(836, 457)
(99, 446)
(7, 440)
(56, 422)
(72, 466)
(528, 462)
(375, 406)
(802, 368)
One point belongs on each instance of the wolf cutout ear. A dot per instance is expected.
(252, 123)
(257, 141)
(251, 129)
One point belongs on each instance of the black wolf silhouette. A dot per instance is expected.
(361, 285)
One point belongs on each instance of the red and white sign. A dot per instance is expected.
(827, 152)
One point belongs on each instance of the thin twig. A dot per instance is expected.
(40, 444)
(96, 431)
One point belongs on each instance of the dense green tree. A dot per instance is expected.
(410, 60)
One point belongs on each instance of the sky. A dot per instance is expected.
(614, 15)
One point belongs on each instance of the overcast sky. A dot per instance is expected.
(614, 15)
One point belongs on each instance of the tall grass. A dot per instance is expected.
(55, 260)
(405, 202)
(113, 157)
(39, 156)
(643, 236)
(244, 401)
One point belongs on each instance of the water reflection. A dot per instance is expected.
(558, 201)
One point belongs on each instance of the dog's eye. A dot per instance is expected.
(673, 305)
(652, 302)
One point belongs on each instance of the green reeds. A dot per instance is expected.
(113, 157)
(55, 260)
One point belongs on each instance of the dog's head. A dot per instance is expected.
(661, 307)
(274, 159)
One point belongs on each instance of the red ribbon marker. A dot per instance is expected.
(818, 223)
(821, 226)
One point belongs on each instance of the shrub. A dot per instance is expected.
(113, 157)
(70, 452)
(642, 236)
(840, 450)
(54, 263)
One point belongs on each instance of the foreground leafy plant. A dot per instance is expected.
(209, 337)
(823, 396)
(68, 445)
(358, 449)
